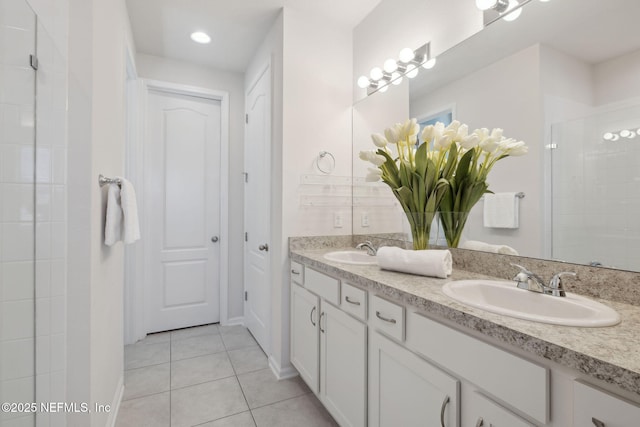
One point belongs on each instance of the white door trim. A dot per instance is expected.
(136, 329)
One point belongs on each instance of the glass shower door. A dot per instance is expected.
(17, 211)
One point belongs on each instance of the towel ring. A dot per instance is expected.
(329, 162)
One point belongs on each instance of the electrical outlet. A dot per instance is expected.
(364, 219)
(337, 220)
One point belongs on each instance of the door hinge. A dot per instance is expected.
(33, 61)
(246, 295)
(246, 118)
(246, 176)
(246, 236)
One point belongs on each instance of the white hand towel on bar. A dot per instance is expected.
(488, 247)
(501, 210)
(131, 230)
(113, 223)
(433, 263)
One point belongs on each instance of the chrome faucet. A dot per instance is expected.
(371, 250)
(530, 281)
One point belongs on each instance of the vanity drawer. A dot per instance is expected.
(354, 301)
(387, 317)
(322, 285)
(511, 379)
(478, 407)
(591, 404)
(297, 272)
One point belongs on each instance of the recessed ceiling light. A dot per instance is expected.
(200, 37)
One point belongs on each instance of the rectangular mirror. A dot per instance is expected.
(562, 78)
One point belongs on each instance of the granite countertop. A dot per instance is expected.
(610, 354)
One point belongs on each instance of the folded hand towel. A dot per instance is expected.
(113, 223)
(501, 210)
(434, 263)
(131, 231)
(488, 247)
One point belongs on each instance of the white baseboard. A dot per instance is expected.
(282, 373)
(115, 404)
(233, 321)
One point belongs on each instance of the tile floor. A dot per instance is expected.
(211, 376)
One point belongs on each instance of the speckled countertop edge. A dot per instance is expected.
(610, 354)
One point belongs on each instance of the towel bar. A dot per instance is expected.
(103, 180)
(519, 195)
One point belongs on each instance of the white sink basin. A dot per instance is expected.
(351, 257)
(505, 298)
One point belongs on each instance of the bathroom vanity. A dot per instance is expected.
(382, 348)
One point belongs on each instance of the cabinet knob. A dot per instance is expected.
(480, 422)
(444, 406)
(596, 422)
(264, 247)
(214, 239)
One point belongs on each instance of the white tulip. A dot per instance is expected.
(463, 132)
(497, 134)
(489, 145)
(517, 148)
(365, 155)
(443, 143)
(470, 141)
(392, 135)
(482, 133)
(377, 159)
(379, 140)
(427, 133)
(373, 175)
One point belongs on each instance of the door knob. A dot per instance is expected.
(214, 239)
(264, 247)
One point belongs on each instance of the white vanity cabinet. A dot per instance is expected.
(406, 390)
(480, 411)
(329, 348)
(596, 408)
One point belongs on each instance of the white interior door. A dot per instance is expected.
(257, 283)
(182, 205)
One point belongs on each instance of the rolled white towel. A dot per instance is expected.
(488, 247)
(433, 263)
(131, 231)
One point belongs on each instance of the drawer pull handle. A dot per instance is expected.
(293, 271)
(311, 315)
(321, 316)
(351, 301)
(444, 406)
(597, 422)
(379, 316)
(480, 422)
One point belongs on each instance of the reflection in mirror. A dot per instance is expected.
(569, 89)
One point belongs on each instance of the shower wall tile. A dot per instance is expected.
(17, 281)
(17, 242)
(17, 357)
(17, 319)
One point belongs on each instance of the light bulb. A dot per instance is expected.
(390, 65)
(412, 71)
(615, 137)
(544, 1)
(429, 64)
(406, 55)
(363, 82)
(396, 78)
(512, 16)
(608, 136)
(625, 133)
(200, 37)
(485, 4)
(376, 74)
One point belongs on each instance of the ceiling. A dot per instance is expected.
(237, 27)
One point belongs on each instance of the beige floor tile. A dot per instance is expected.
(304, 411)
(145, 381)
(206, 402)
(248, 360)
(195, 331)
(196, 346)
(238, 339)
(262, 388)
(156, 338)
(244, 419)
(148, 411)
(139, 355)
(200, 369)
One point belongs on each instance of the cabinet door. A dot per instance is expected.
(406, 390)
(305, 312)
(592, 407)
(343, 370)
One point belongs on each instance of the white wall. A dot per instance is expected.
(163, 69)
(98, 33)
(396, 24)
(617, 79)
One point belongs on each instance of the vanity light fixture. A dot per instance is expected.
(624, 133)
(497, 5)
(200, 37)
(517, 11)
(393, 71)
